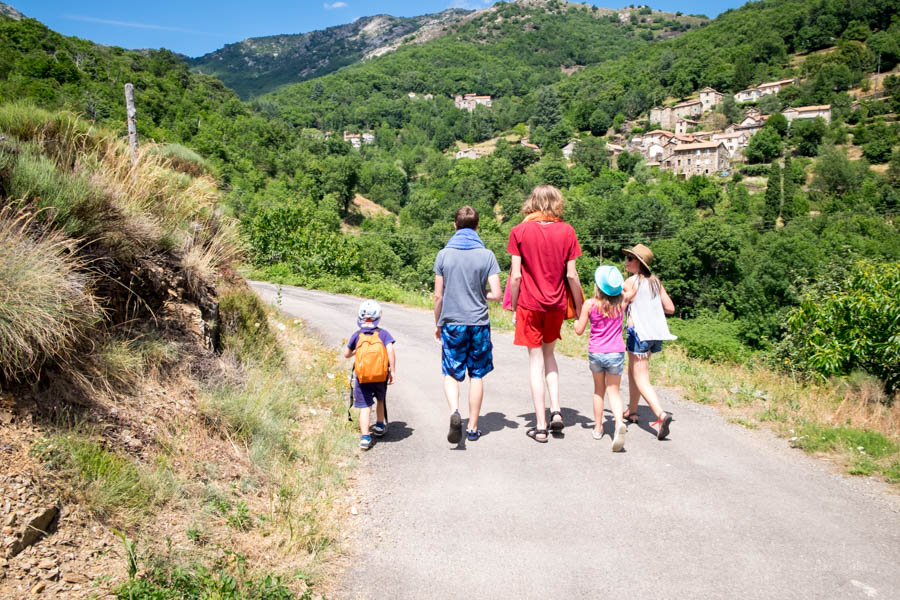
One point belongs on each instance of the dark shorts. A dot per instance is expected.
(466, 347)
(365, 394)
(534, 327)
(634, 344)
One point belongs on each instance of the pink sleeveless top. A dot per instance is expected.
(606, 333)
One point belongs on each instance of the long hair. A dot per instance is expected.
(608, 306)
(546, 199)
(651, 278)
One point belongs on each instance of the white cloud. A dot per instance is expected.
(135, 25)
(335, 5)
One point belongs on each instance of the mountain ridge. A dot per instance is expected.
(280, 59)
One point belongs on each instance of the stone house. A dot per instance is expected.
(468, 153)
(665, 116)
(710, 98)
(733, 141)
(699, 158)
(470, 101)
(354, 140)
(682, 125)
(568, 149)
(764, 89)
(524, 142)
(808, 112)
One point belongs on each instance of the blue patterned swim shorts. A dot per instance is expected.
(466, 347)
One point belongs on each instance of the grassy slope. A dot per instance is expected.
(107, 272)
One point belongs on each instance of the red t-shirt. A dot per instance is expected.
(545, 249)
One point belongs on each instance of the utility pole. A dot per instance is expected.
(132, 122)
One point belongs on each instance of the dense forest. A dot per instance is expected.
(774, 260)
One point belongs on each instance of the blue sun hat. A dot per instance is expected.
(609, 280)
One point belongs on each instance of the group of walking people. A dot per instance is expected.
(543, 291)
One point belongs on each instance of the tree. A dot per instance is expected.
(546, 109)
(626, 161)
(779, 123)
(834, 174)
(600, 122)
(764, 146)
(772, 208)
(769, 104)
(729, 109)
(618, 122)
(792, 203)
(591, 152)
(807, 134)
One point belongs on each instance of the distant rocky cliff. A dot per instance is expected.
(259, 65)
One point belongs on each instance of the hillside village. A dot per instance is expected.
(680, 144)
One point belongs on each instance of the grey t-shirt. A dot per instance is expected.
(465, 274)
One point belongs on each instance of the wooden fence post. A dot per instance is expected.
(132, 121)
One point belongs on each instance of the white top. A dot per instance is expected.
(646, 314)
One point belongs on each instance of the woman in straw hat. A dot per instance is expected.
(647, 328)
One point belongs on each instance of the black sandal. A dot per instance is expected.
(534, 432)
(556, 426)
(630, 417)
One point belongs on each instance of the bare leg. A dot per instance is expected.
(640, 373)
(476, 395)
(365, 418)
(451, 392)
(551, 374)
(599, 388)
(615, 399)
(536, 372)
(379, 412)
(634, 395)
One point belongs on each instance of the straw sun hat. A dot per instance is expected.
(642, 253)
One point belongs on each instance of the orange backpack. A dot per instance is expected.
(371, 363)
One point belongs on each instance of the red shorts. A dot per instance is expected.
(534, 327)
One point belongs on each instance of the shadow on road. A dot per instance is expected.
(397, 431)
(494, 421)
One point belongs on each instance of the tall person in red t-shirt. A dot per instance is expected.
(543, 250)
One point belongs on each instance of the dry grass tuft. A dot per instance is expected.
(46, 306)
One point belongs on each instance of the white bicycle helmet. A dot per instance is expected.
(369, 310)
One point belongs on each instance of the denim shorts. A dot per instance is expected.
(607, 362)
(634, 344)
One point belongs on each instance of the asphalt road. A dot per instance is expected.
(716, 511)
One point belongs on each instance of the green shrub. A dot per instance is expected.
(849, 321)
(709, 337)
(245, 327)
(200, 583)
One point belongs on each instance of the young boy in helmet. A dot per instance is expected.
(374, 369)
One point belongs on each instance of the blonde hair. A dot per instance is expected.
(608, 306)
(546, 199)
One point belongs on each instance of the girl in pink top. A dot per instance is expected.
(606, 350)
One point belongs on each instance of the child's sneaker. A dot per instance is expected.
(365, 442)
(473, 434)
(379, 429)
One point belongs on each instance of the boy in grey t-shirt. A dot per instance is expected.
(462, 325)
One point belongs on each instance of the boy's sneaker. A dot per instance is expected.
(455, 433)
(378, 429)
(365, 442)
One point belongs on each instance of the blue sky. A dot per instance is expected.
(195, 27)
